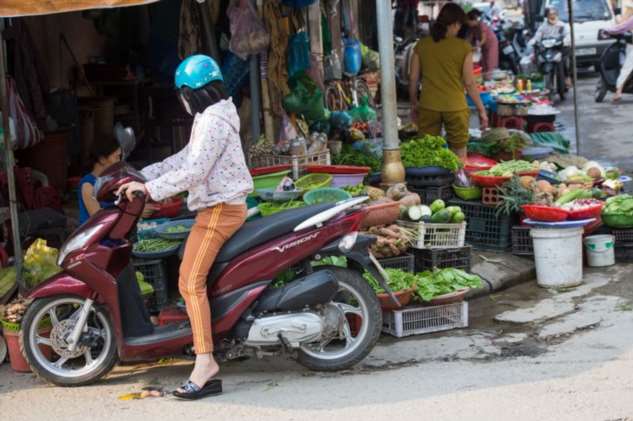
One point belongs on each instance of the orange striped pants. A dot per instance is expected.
(213, 227)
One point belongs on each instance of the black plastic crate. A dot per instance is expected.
(458, 258)
(420, 179)
(485, 230)
(522, 244)
(623, 237)
(404, 262)
(623, 254)
(430, 194)
(155, 273)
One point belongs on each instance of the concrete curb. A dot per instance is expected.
(500, 271)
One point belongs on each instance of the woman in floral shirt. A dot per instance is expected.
(212, 169)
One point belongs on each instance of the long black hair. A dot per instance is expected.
(450, 14)
(202, 98)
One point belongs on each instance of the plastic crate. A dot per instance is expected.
(522, 244)
(155, 273)
(623, 237)
(420, 320)
(490, 196)
(425, 180)
(406, 263)
(437, 236)
(458, 258)
(297, 162)
(485, 230)
(430, 194)
(623, 254)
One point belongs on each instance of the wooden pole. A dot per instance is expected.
(269, 124)
(9, 162)
(316, 39)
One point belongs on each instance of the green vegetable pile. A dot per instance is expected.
(618, 212)
(429, 284)
(356, 190)
(271, 208)
(398, 280)
(177, 229)
(444, 281)
(350, 156)
(154, 245)
(428, 151)
(509, 168)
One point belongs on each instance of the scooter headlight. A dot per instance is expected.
(76, 242)
(348, 242)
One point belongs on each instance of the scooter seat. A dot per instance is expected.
(255, 233)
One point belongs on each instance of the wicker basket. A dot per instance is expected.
(437, 236)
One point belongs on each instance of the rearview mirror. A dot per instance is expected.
(617, 11)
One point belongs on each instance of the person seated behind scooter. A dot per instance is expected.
(626, 25)
(553, 27)
(105, 152)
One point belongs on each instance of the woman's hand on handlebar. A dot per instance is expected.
(130, 188)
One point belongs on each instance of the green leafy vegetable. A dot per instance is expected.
(356, 190)
(270, 208)
(154, 245)
(177, 229)
(350, 156)
(398, 280)
(509, 168)
(439, 282)
(428, 151)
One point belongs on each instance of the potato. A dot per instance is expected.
(374, 193)
(544, 186)
(594, 173)
(526, 181)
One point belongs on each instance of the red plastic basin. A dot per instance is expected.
(545, 213)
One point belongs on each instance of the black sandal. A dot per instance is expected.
(192, 391)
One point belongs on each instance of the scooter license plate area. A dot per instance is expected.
(586, 51)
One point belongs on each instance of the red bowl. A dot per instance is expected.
(545, 213)
(590, 212)
(337, 169)
(488, 180)
(269, 170)
(528, 173)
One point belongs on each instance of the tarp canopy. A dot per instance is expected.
(17, 8)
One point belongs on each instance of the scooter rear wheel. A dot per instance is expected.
(601, 92)
(48, 353)
(361, 329)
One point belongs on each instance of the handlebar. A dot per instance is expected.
(122, 196)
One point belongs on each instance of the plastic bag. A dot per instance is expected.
(40, 263)
(363, 112)
(306, 99)
(248, 33)
(352, 57)
(332, 67)
(287, 133)
(298, 54)
(371, 58)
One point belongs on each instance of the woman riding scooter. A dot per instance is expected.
(212, 169)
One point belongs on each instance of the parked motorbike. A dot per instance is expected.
(549, 58)
(403, 51)
(509, 55)
(327, 317)
(610, 64)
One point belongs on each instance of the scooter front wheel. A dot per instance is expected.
(46, 327)
(361, 325)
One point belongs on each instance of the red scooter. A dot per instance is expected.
(327, 317)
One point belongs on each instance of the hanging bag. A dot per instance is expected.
(27, 133)
(248, 33)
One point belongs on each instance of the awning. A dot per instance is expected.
(16, 8)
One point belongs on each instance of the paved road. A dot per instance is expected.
(565, 356)
(606, 130)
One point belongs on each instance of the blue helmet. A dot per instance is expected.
(197, 71)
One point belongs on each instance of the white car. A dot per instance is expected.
(589, 17)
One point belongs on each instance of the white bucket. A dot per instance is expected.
(558, 256)
(600, 250)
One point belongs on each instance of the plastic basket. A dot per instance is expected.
(490, 195)
(295, 161)
(428, 177)
(485, 230)
(430, 194)
(313, 182)
(434, 236)
(325, 195)
(405, 263)
(623, 254)
(458, 258)
(269, 181)
(467, 193)
(154, 273)
(623, 237)
(522, 244)
(420, 320)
